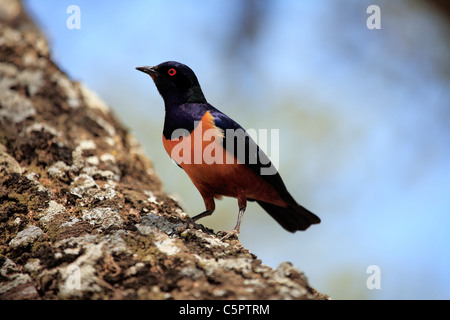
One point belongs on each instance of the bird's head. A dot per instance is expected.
(176, 83)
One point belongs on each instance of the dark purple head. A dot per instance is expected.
(176, 83)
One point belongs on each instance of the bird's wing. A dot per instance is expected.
(246, 151)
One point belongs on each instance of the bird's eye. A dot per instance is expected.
(172, 72)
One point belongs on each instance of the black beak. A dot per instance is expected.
(148, 70)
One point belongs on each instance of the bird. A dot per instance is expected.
(217, 153)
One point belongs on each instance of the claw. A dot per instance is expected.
(230, 234)
(189, 224)
(186, 226)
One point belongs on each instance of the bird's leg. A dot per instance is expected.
(210, 206)
(242, 201)
(190, 222)
(201, 215)
(235, 232)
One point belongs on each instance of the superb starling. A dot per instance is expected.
(217, 154)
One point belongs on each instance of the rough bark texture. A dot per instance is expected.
(82, 214)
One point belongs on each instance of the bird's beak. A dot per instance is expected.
(148, 70)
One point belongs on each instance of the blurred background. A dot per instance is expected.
(363, 117)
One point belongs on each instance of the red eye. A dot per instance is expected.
(172, 72)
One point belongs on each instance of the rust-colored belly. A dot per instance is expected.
(213, 170)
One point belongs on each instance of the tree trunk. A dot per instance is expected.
(82, 212)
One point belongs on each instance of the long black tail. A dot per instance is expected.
(292, 218)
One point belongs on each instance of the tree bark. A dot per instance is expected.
(82, 212)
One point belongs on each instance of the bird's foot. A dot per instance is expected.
(189, 224)
(229, 234)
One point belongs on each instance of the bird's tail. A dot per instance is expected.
(292, 218)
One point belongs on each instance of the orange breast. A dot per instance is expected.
(212, 169)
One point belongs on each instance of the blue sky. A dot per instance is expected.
(363, 118)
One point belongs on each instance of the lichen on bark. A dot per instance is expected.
(82, 212)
